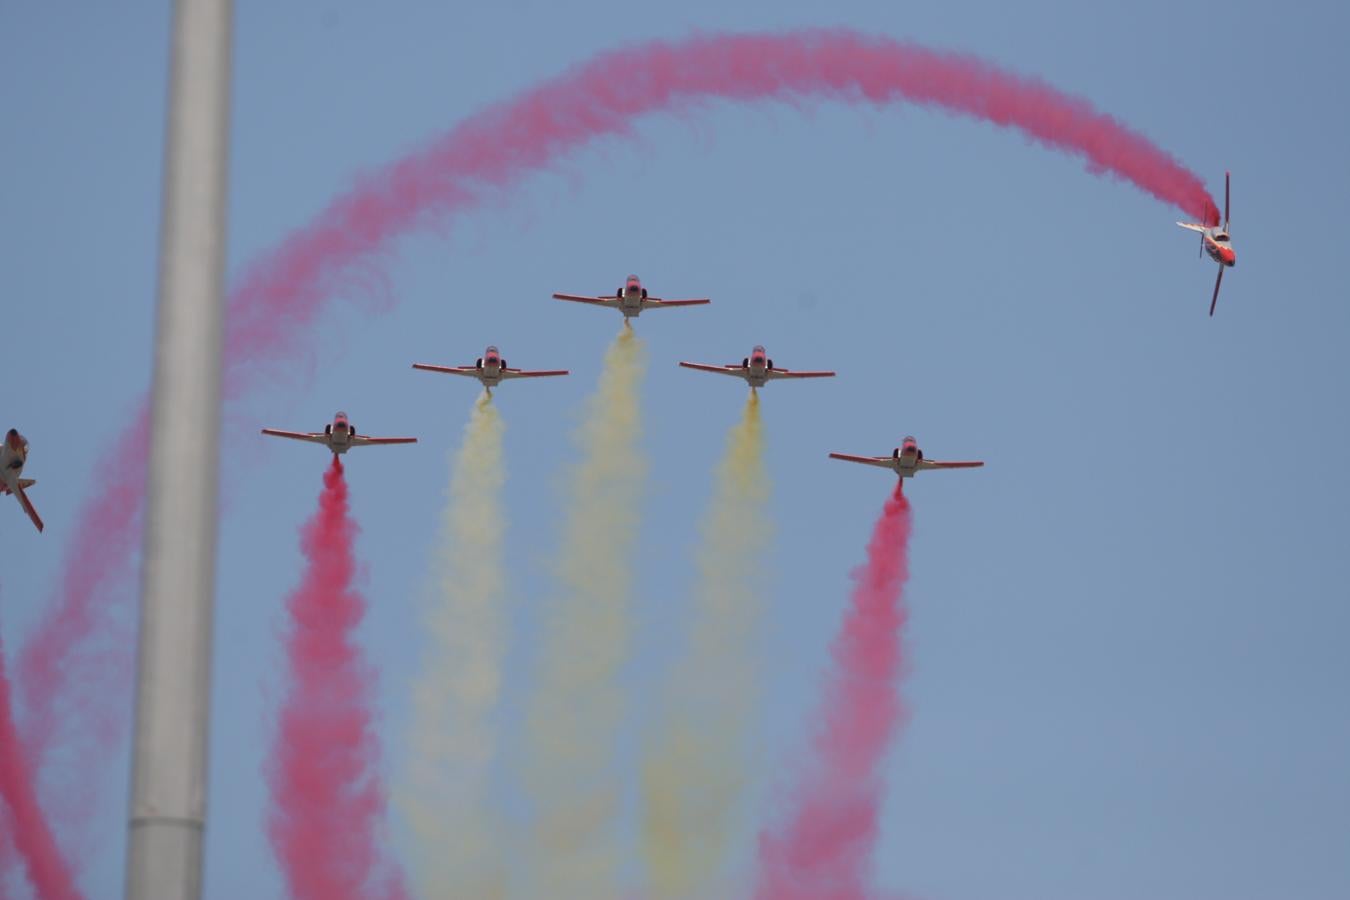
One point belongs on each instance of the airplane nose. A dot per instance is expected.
(1229, 256)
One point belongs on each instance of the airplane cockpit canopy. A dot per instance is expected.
(1221, 238)
(492, 351)
(341, 415)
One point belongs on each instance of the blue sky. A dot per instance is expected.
(1127, 671)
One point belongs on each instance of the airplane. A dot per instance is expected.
(905, 460)
(490, 369)
(757, 369)
(338, 436)
(1215, 241)
(13, 454)
(631, 299)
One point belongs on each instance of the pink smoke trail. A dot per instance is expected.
(825, 848)
(327, 799)
(47, 871)
(279, 297)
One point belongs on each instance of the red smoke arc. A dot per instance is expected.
(20, 814)
(824, 850)
(327, 800)
(279, 298)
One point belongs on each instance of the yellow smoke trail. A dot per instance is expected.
(695, 777)
(574, 716)
(453, 741)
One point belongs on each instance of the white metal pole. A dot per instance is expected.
(168, 790)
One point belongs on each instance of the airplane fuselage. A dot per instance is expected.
(11, 465)
(490, 372)
(630, 301)
(339, 436)
(756, 373)
(1217, 246)
(905, 460)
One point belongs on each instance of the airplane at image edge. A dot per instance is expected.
(757, 369)
(13, 455)
(631, 299)
(338, 436)
(905, 461)
(1216, 242)
(490, 369)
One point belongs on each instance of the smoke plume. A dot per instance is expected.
(47, 871)
(698, 767)
(453, 742)
(824, 849)
(575, 713)
(327, 800)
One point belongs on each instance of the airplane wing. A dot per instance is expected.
(936, 464)
(720, 370)
(654, 303)
(360, 440)
(521, 373)
(471, 371)
(593, 301)
(315, 437)
(27, 506)
(1200, 228)
(788, 373)
(885, 462)
(1215, 299)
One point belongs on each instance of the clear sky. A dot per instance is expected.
(1128, 671)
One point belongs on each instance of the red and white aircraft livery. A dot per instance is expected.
(905, 460)
(757, 369)
(13, 454)
(338, 436)
(490, 369)
(631, 299)
(1215, 241)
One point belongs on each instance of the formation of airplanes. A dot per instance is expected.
(757, 370)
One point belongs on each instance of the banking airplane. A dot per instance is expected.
(338, 436)
(631, 299)
(905, 460)
(757, 369)
(490, 369)
(1215, 241)
(13, 454)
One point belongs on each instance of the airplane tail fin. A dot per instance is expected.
(26, 483)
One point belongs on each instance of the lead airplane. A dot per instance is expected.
(13, 454)
(490, 369)
(757, 369)
(1216, 242)
(631, 299)
(905, 461)
(338, 436)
